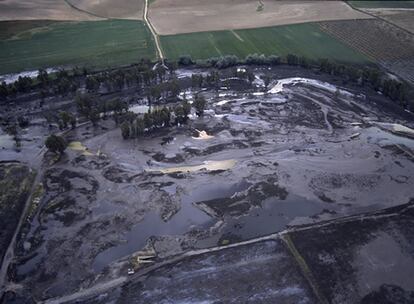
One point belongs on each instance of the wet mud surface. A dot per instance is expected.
(367, 259)
(274, 159)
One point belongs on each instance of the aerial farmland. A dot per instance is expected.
(189, 151)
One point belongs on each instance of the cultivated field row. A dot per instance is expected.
(388, 45)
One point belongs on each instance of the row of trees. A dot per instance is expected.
(60, 82)
(143, 74)
(152, 79)
(230, 60)
(134, 125)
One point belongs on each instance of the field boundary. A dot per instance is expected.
(84, 11)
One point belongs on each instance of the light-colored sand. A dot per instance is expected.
(184, 16)
(212, 165)
(62, 10)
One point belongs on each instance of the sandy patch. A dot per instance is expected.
(78, 146)
(207, 165)
(184, 16)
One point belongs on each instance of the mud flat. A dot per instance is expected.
(362, 259)
(15, 185)
(275, 159)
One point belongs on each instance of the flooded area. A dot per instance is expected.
(257, 162)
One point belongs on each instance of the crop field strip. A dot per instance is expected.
(171, 17)
(380, 41)
(97, 44)
(382, 4)
(278, 40)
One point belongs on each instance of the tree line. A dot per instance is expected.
(152, 80)
(363, 75)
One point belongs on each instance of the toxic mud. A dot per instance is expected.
(258, 161)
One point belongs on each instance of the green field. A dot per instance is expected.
(28, 45)
(383, 4)
(300, 39)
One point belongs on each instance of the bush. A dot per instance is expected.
(199, 105)
(56, 144)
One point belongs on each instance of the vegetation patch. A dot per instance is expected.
(280, 40)
(32, 45)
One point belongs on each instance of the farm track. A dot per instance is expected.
(154, 34)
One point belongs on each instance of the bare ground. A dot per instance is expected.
(40, 9)
(76, 10)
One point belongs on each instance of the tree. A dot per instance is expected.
(256, 59)
(73, 121)
(4, 90)
(67, 118)
(227, 61)
(166, 116)
(94, 116)
(23, 84)
(43, 77)
(273, 60)
(180, 117)
(12, 130)
(186, 108)
(174, 87)
(292, 59)
(196, 80)
(199, 105)
(87, 107)
(92, 83)
(250, 77)
(55, 144)
(139, 126)
(304, 62)
(155, 92)
(185, 60)
(125, 130)
(148, 121)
